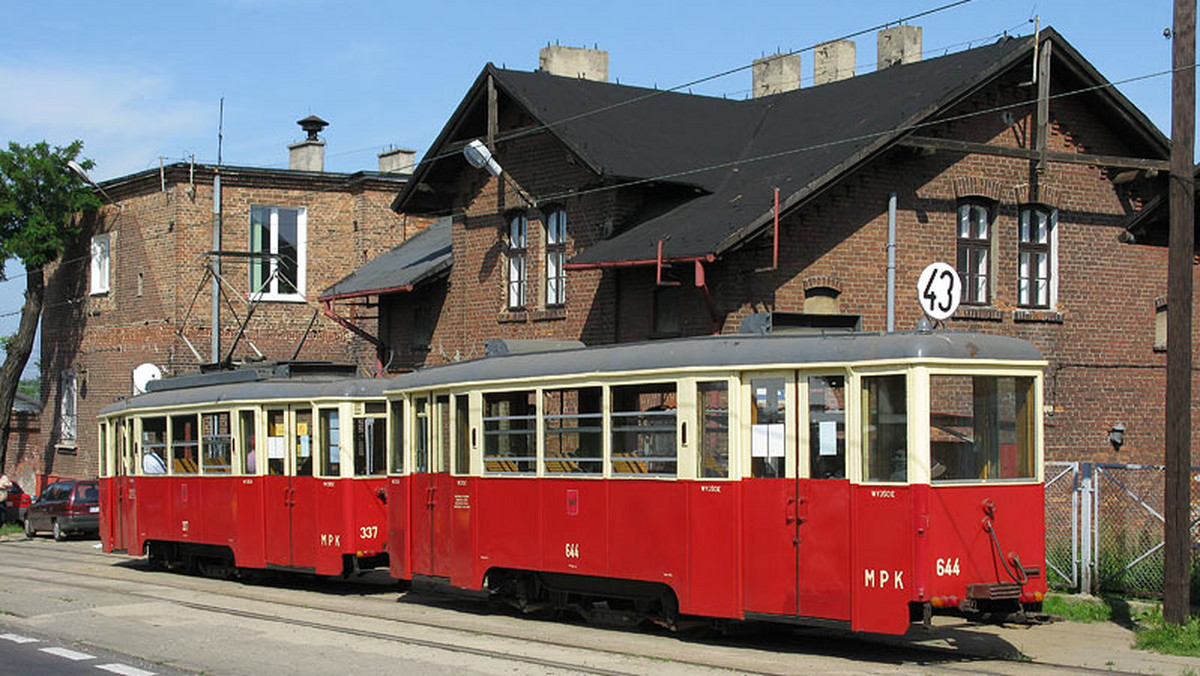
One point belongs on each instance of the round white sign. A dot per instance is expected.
(939, 290)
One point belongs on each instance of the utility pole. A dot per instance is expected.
(1177, 493)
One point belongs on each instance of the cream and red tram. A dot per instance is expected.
(860, 480)
(280, 467)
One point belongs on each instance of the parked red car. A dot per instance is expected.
(65, 507)
(12, 510)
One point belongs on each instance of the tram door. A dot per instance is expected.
(432, 493)
(823, 509)
(290, 505)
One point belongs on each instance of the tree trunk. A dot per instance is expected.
(18, 350)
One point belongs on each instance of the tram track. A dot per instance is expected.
(947, 659)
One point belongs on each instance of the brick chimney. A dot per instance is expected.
(776, 74)
(833, 61)
(397, 161)
(580, 62)
(898, 44)
(309, 154)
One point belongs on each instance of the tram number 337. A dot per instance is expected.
(947, 567)
(368, 532)
(572, 550)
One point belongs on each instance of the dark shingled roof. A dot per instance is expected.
(421, 257)
(725, 157)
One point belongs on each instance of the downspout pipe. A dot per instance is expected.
(891, 263)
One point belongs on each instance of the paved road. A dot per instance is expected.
(74, 596)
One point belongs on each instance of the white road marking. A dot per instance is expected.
(124, 670)
(69, 654)
(17, 638)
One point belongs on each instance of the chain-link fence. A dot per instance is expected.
(1104, 527)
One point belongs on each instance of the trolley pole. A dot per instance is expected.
(1177, 497)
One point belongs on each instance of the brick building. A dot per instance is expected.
(137, 287)
(610, 213)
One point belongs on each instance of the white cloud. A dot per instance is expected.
(125, 118)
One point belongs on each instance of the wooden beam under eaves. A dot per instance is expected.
(973, 148)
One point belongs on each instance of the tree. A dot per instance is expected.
(41, 205)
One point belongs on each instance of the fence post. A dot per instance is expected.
(1087, 527)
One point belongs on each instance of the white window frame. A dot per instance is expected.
(556, 257)
(271, 292)
(68, 397)
(518, 274)
(1028, 303)
(101, 264)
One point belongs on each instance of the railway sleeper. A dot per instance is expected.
(599, 600)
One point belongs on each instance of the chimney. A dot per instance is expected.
(309, 154)
(898, 44)
(397, 161)
(776, 74)
(833, 61)
(580, 62)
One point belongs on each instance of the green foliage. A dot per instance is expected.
(1160, 636)
(30, 387)
(40, 197)
(1077, 609)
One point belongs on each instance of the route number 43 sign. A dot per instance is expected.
(939, 290)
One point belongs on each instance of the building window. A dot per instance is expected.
(68, 422)
(974, 250)
(100, 264)
(666, 311)
(278, 235)
(556, 257)
(1160, 325)
(1036, 257)
(518, 226)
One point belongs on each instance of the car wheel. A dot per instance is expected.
(29, 531)
(59, 535)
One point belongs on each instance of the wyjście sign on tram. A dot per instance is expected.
(859, 480)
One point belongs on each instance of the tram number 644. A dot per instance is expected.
(572, 550)
(947, 567)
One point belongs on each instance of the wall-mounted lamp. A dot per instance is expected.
(1116, 436)
(479, 156)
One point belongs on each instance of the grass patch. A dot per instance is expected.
(1081, 608)
(1158, 636)
(11, 529)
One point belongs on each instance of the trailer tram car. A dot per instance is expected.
(275, 467)
(862, 481)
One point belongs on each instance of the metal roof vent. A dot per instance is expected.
(312, 125)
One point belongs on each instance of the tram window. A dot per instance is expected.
(574, 431)
(122, 445)
(248, 440)
(331, 442)
(981, 428)
(103, 449)
(885, 428)
(216, 443)
(462, 426)
(827, 427)
(304, 442)
(768, 415)
(510, 432)
(643, 429)
(276, 442)
(397, 463)
(369, 446)
(421, 440)
(184, 445)
(154, 445)
(443, 438)
(713, 400)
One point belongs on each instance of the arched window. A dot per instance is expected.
(518, 226)
(556, 256)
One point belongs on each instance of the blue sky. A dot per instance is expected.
(137, 81)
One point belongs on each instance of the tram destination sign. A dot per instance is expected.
(939, 290)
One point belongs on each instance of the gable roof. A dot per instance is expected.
(726, 157)
(419, 258)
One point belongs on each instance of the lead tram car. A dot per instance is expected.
(861, 480)
(273, 467)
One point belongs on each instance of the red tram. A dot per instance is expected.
(277, 467)
(862, 481)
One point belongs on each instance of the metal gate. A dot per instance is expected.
(1104, 526)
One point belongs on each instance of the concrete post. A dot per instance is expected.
(776, 74)
(833, 61)
(580, 62)
(898, 44)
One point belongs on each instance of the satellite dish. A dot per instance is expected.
(142, 375)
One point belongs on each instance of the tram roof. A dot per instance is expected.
(728, 351)
(267, 389)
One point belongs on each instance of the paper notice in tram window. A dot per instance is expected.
(759, 441)
(775, 441)
(828, 437)
(275, 447)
